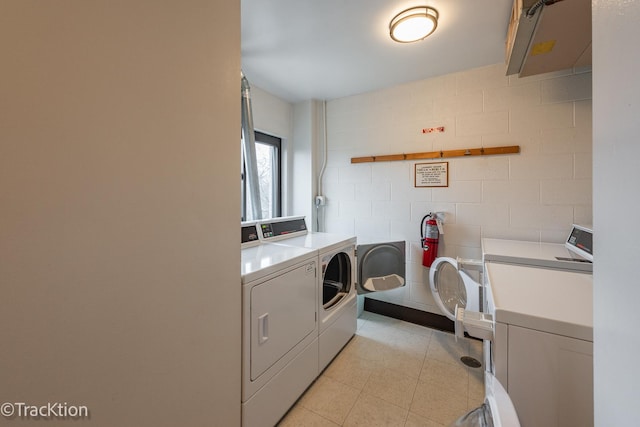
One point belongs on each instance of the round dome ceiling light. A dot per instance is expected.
(413, 24)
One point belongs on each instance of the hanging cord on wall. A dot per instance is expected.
(324, 146)
(533, 9)
(322, 169)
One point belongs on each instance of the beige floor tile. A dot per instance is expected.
(384, 329)
(476, 387)
(439, 403)
(378, 331)
(375, 322)
(391, 386)
(370, 411)
(454, 376)
(350, 370)
(474, 401)
(299, 416)
(366, 348)
(415, 420)
(398, 334)
(409, 342)
(389, 368)
(443, 347)
(476, 349)
(330, 399)
(393, 347)
(415, 329)
(404, 363)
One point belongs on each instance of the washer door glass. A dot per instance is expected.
(447, 286)
(336, 279)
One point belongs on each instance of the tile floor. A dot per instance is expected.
(393, 373)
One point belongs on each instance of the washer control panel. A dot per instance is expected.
(283, 228)
(580, 241)
(249, 234)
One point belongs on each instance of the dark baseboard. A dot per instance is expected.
(411, 315)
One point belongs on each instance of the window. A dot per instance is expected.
(268, 156)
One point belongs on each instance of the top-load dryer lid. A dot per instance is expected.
(580, 241)
(451, 287)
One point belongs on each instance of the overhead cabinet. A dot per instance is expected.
(549, 37)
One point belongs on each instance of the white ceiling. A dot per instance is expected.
(326, 49)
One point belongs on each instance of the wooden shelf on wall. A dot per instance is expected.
(484, 151)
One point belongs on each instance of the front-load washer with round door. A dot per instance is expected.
(496, 411)
(279, 328)
(538, 335)
(346, 270)
(453, 288)
(456, 293)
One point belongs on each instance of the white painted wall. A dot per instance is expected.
(119, 239)
(274, 116)
(616, 66)
(301, 129)
(271, 114)
(535, 195)
(302, 156)
(307, 159)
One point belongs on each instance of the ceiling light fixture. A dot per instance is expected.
(413, 24)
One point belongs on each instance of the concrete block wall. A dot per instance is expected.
(535, 195)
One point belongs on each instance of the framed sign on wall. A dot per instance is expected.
(432, 174)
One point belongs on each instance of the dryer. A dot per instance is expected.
(279, 327)
(346, 270)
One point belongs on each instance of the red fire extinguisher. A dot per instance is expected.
(429, 236)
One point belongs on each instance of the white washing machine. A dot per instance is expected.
(542, 344)
(538, 332)
(576, 254)
(346, 271)
(279, 327)
(496, 411)
(452, 287)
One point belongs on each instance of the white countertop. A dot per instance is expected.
(554, 301)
